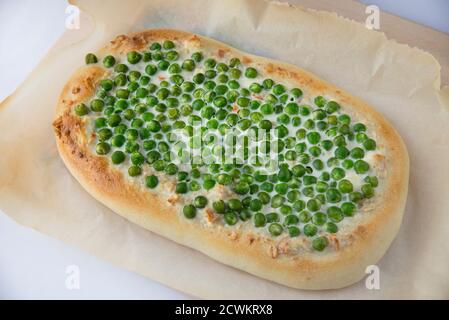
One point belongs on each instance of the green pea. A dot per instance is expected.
(298, 170)
(171, 169)
(359, 127)
(259, 220)
(277, 201)
(208, 184)
(372, 180)
(197, 57)
(361, 137)
(264, 197)
(341, 152)
(219, 206)
(347, 164)
(357, 153)
(120, 80)
(345, 186)
(81, 110)
(234, 62)
(320, 101)
(335, 214)
(172, 55)
(251, 73)
(245, 215)
(159, 165)
(133, 57)
(319, 218)
(155, 46)
(304, 216)
(200, 202)
(118, 157)
(325, 176)
(367, 190)
(293, 231)
(151, 181)
(168, 44)
(235, 204)
(118, 140)
(332, 107)
(320, 243)
(90, 58)
(255, 87)
(310, 230)
(284, 174)
(109, 61)
(284, 119)
(296, 92)
(278, 89)
(291, 220)
(181, 187)
(104, 134)
(146, 56)
(369, 144)
(331, 227)
(361, 166)
(103, 148)
(189, 211)
(268, 84)
(333, 195)
(281, 188)
(348, 209)
(275, 229)
(134, 171)
(255, 205)
(338, 174)
(313, 205)
(150, 69)
(309, 180)
(272, 217)
(230, 218)
(235, 74)
(241, 188)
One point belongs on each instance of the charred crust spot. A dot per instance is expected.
(194, 38)
(76, 90)
(251, 239)
(334, 241)
(246, 59)
(269, 68)
(221, 53)
(123, 43)
(57, 126)
(284, 245)
(273, 251)
(360, 231)
(210, 215)
(173, 199)
(233, 235)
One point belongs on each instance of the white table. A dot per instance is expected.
(34, 266)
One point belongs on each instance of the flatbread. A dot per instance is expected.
(361, 240)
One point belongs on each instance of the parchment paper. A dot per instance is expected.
(401, 82)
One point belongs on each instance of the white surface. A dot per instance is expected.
(33, 265)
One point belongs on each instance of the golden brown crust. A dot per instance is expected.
(242, 249)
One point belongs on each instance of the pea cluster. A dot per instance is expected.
(156, 91)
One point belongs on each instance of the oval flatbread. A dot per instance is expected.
(254, 162)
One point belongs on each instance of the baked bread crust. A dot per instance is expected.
(240, 248)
